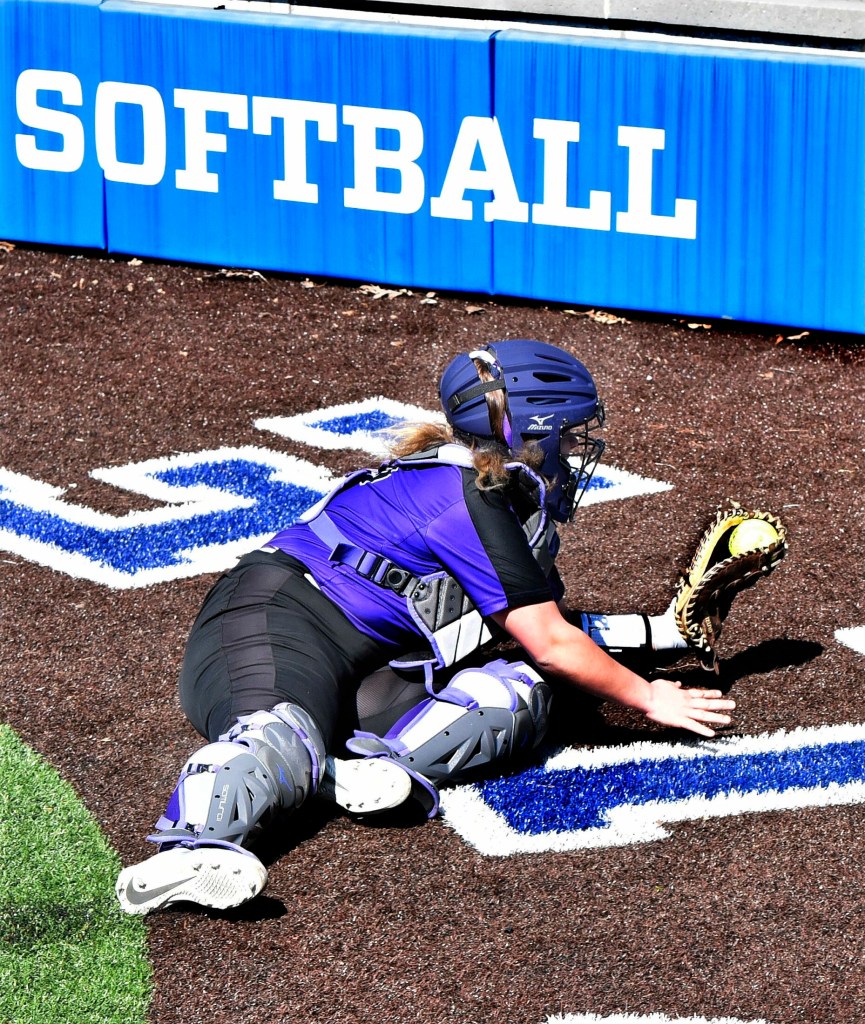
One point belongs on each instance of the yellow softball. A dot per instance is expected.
(751, 535)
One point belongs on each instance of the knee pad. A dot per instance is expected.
(511, 686)
(482, 716)
(288, 739)
(268, 762)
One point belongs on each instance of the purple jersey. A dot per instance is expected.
(425, 518)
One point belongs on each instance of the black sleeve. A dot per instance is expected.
(522, 579)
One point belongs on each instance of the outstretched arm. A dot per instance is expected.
(563, 650)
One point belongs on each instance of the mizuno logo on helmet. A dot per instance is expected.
(540, 422)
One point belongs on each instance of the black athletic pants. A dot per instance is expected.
(265, 634)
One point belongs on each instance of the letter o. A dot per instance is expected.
(152, 168)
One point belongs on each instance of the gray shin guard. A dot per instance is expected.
(269, 761)
(482, 716)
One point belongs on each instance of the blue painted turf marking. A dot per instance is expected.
(216, 504)
(356, 426)
(375, 421)
(365, 426)
(616, 796)
(611, 484)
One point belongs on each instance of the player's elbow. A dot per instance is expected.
(551, 660)
(552, 652)
(543, 633)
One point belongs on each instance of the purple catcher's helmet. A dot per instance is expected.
(550, 399)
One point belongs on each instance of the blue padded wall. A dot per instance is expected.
(435, 78)
(766, 146)
(703, 181)
(47, 205)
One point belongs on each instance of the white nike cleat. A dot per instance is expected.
(211, 876)
(364, 785)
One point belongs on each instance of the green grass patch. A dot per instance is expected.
(67, 953)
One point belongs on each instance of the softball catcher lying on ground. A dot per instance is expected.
(369, 605)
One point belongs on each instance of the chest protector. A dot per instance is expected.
(439, 606)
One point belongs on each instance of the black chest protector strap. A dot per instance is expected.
(369, 564)
(438, 604)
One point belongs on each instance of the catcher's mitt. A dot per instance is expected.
(714, 577)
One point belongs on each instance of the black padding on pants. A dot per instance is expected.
(266, 635)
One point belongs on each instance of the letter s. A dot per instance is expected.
(70, 156)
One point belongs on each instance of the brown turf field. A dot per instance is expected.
(107, 361)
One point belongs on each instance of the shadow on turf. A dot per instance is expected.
(578, 719)
(768, 656)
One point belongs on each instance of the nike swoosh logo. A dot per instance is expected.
(136, 898)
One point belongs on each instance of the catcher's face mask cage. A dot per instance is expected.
(580, 452)
(551, 399)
